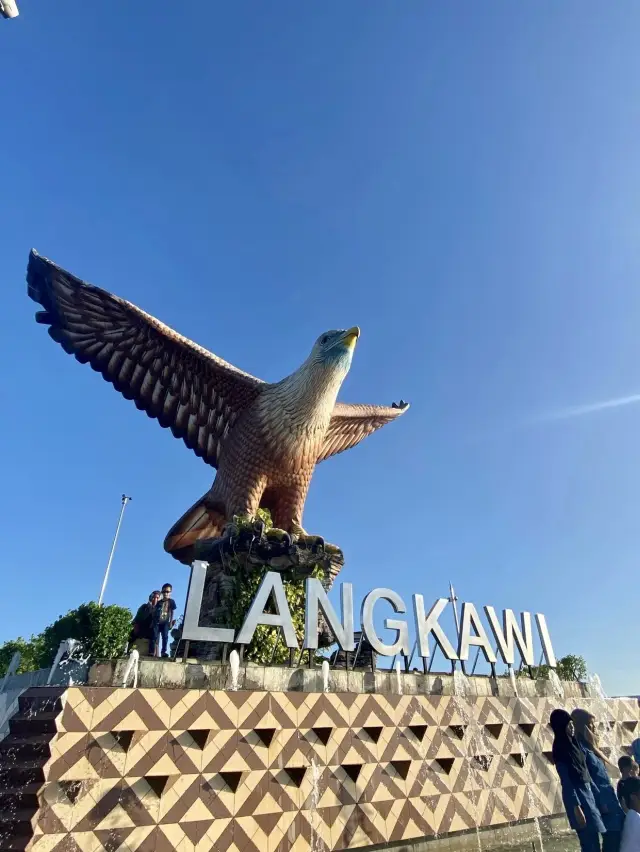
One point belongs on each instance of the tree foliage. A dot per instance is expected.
(102, 632)
(569, 667)
(267, 639)
(29, 650)
(572, 667)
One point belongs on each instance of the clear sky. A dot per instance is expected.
(459, 179)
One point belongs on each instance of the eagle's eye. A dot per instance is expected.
(324, 339)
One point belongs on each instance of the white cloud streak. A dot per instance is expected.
(582, 410)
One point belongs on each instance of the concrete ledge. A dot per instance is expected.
(167, 674)
(548, 834)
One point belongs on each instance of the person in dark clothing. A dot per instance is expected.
(628, 769)
(606, 798)
(163, 619)
(578, 791)
(142, 625)
(630, 792)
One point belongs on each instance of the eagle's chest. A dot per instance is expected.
(292, 438)
(295, 446)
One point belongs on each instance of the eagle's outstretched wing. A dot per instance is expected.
(183, 386)
(350, 424)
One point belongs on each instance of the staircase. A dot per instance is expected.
(23, 756)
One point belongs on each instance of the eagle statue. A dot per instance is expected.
(264, 440)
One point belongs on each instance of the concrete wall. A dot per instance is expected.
(166, 674)
(165, 768)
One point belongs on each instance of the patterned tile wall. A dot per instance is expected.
(157, 770)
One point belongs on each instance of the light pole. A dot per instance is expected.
(9, 9)
(125, 500)
(453, 600)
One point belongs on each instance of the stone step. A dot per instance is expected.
(20, 797)
(41, 699)
(17, 821)
(10, 842)
(19, 773)
(19, 749)
(28, 724)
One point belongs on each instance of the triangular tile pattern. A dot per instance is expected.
(374, 732)
(155, 770)
(157, 783)
(200, 737)
(527, 728)
(419, 731)
(265, 735)
(352, 770)
(232, 780)
(124, 739)
(72, 789)
(296, 773)
(494, 729)
(323, 734)
(402, 767)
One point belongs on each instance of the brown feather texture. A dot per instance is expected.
(263, 439)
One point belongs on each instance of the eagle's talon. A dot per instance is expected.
(275, 534)
(314, 543)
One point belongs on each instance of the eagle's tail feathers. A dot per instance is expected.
(200, 522)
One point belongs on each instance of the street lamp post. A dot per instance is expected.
(125, 500)
(9, 9)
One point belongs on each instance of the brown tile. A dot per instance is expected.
(171, 697)
(67, 844)
(70, 721)
(48, 822)
(102, 808)
(96, 695)
(113, 838)
(133, 705)
(196, 830)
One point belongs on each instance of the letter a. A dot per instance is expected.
(271, 583)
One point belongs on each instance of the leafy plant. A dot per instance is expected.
(572, 667)
(266, 639)
(29, 651)
(569, 667)
(102, 632)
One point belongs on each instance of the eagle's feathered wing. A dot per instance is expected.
(351, 424)
(185, 387)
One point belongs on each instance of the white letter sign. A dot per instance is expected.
(271, 583)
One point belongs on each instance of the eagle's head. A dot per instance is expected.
(334, 349)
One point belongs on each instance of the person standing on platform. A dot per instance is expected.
(141, 636)
(163, 619)
(630, 793)
(606, 798)
(628, 769)
(578, 791)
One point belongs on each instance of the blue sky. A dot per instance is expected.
(460, 180)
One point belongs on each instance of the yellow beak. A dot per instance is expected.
(351, 336)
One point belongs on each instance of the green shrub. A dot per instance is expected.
(102, 631)
(265, 639)
(29, 651)
(569, 667)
